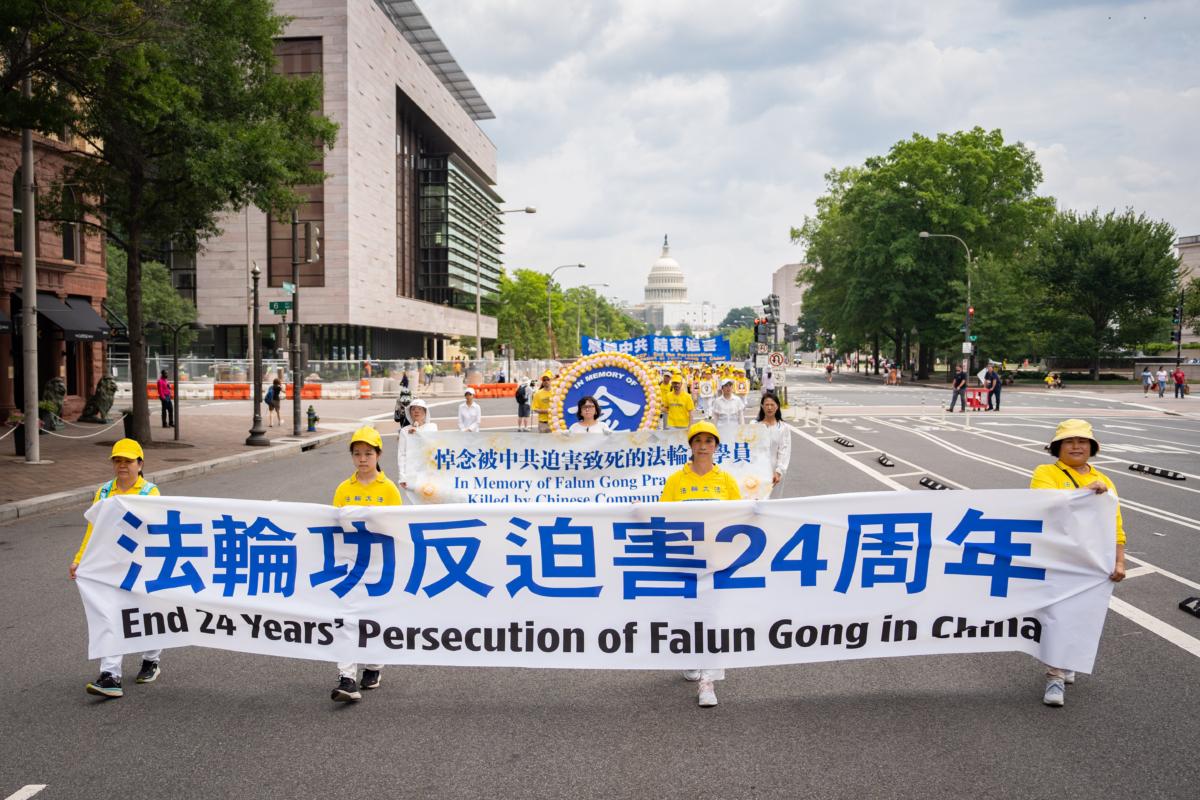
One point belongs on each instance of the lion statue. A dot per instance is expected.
(54, 392)
(100, 403)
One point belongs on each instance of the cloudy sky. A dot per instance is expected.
(714, 121)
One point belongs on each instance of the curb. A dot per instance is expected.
(32, 506)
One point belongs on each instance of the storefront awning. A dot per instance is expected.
(76, 318)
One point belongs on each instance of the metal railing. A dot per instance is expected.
(237, 370)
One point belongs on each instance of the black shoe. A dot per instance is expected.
(346, 691)
(149, 672)
(106, 686)
(370, 679)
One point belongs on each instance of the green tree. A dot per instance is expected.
(160, 301)
(184, 121)
(740, 342)
(684, 329)
(740, 317)
(666, 331)
(1191, 305)
(874, 277)
(1110, 282)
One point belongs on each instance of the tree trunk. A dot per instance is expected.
(137, 337)
(875, 351)
(923, 354)
(1095, 369)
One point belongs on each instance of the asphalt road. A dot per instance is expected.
(221, 724)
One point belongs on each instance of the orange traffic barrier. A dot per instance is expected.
(364, 389)
(494, 389)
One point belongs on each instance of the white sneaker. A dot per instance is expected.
(1056, 693)
(691, 675)
(1069, 678)
(707, 697)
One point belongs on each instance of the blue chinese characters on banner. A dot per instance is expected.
(622, 398)
(662, 348)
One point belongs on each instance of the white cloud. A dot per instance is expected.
(715, 122)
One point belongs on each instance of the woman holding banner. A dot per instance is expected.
(418, 412)
(702, 479)
(368, 486)
(588, 412)
(1073, 444)
(127, 460)
(780, 438)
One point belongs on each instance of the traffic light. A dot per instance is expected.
(1177, 316)
(1177, 335)
(312, 242)
(762, 330)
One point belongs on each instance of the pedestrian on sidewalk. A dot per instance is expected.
(418, 412)
(1147, 380)
(127, 460)
(368, 486)
(167, 399)
(959, 389)
(273, 399)
(1074, 443)
(469, 414)
(522, 397)
(1161, 377)
(991, 380)
(829, 372)
(1180, 378)
(702, 479)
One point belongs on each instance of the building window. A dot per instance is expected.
(71, 250)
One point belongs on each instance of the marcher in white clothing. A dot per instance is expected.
(768, 383)
(469, 413)
(589, 418)
(781, 440)
(418, 412)
(727, 408)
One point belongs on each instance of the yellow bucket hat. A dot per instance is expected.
(368, 435)
(127, 448)
(1069, 428)
(703, 427)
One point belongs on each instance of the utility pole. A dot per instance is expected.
(29, 321)
(297, 377)
(1179, 329)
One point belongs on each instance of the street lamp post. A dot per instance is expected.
(479, 274)
(970, 308)
(257, 437)
(175, 331)
(579, 312)
(549, 319)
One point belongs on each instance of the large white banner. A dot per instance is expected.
(654, 586)
(618, 467)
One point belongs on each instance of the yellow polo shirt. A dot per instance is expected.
(379, 492)
(541, 404)
(679, 409)
(1052, 476)
(685, 486)
(137, 487)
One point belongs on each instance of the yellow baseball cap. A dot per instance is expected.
(703, 426)
(127, 448)
(547, 374)
(369, 435)
(1074, 427)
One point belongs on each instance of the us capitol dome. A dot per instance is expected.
(665, 298)
(666, 282)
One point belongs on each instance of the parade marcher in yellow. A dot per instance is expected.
(679, 404)
(702, 479)
(368, 486)
(127, 459)
(541, 403)
(1073, 444)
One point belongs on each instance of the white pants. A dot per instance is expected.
(112, 664)
(349, 669)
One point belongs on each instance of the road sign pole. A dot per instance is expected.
(297, 378)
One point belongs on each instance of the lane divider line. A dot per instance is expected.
(26, 792)
(1156, 626)
(884, 479)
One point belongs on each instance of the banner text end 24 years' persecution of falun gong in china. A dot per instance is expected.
(673, 585)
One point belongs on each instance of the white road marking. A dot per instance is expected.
(1156, 626)
(1106, 426)
(26, 792)
(1138, 572)
(884, 479)
(1156, 533)
(1163, 572)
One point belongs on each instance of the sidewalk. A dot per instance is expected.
(213, 436)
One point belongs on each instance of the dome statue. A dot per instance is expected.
(666, 282)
